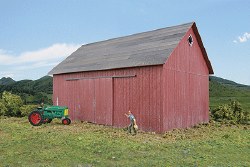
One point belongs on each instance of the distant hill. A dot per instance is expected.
(228, 82)
(44, 84)
(221, 91)
(31, 91)
(223, 87)
(6, 81)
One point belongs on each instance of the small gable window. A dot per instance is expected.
(190, 40)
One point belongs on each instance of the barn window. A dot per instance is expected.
(190, 40)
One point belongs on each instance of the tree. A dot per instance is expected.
(12, 103)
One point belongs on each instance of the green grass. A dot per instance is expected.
(244, 101)
(83, 144)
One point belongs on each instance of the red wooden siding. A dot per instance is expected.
(185, 86)
(114, 96)
(162, 97)
(88, 99)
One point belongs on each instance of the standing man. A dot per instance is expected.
(132, 124)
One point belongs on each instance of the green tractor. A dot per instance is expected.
(47, 114)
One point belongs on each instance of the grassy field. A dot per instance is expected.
(84, 144)
(244, 101)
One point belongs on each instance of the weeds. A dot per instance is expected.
(231, 113)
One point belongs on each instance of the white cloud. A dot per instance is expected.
(244, 38)
(54, 52)
(29, 63)
(37, 65)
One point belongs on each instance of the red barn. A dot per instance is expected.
(162, 76)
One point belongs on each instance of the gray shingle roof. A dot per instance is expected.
(143, 49)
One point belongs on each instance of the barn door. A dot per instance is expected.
(96, 100)
(87, 96)
(103, 101)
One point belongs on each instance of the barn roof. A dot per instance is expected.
(142, 49)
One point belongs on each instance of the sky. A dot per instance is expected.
(36, 35)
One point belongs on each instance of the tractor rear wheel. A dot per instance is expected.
(66, 121)
(35, 118)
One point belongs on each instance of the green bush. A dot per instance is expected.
(12, 103)
(27, 109)
(231, 113)
(3, 109)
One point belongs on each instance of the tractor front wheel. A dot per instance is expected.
(35, 118)
(66, 121)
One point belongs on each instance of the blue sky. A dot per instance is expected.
(37, 35)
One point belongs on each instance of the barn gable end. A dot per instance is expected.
(185, 84)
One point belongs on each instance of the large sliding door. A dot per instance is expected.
(96, 100)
